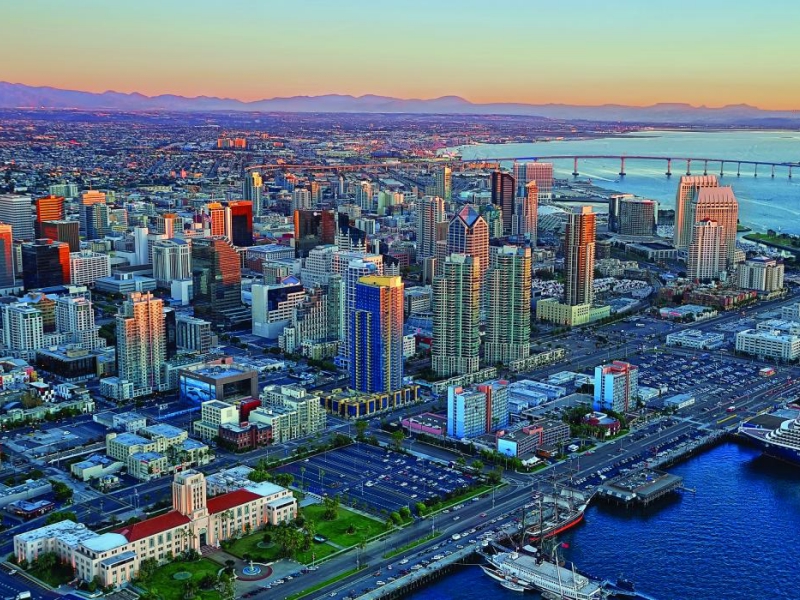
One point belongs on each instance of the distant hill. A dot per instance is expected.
(17, 95)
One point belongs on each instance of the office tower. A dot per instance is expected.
(301, 200)
(508, 305)
(170, 332)
(614, 202)
(456, 317)
(468, 234)
(89, 198)
(364, 195)
(430, 211)
(97, 220)
(273, 306)
(168, 224)
(579, 239)
(444, 183)
(193, 334)
(497, 412)
(239, 222)
(541, 173)
(86, 267)
(636, 216)
(251, 190)
(23, 329)
(62, 231)
(45, 263)
(761, 273)
(706, 251)
(719, 204)
(48, 208)
(172, 259)
(315, 189)
(349, 238)
(355, 267)
(75, 321)
(6, 257)
(503, 192)
(684, 217)
(526, 213)
(214, 219)
(141, 343)
(493, 215)
(376, 335)
(15, 210)
(68, 190)
(217, 282)
(466, 412)
(313, 228)
(616, 387)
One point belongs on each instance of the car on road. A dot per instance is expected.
(404, 561)
(482, 515)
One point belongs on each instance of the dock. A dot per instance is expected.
(641, 487)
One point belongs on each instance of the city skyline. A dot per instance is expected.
(206, 52)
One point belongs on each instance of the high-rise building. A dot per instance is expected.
(75, 320)
(86, 267)
(141, 343)
(214, 218)
(68, 190)
(168, 224)
(614, 202)
(539, 172)
(761, 273)
(430, 211)
(684, 215)
(443, 178)
(301, 200)
(239, 222)
(23, 329)
(193, 334)
(616, 387)
(456, 317)
(48, 208)
(89, 198)
(251, 190)
(273, 306)
(706, 251)
(579, 241)
(217, 282)
(97, 220)
(719, 204)
(637, 217)
(15, 210)
(364, 193)
(62, 231)
(45, 263)
(172, 259)
(508, 305)
(6, 257)
(475, 412)
(503, 192)
(376, 335)
(468, 234)
(313, 228)
(526, 214)
(356, 267)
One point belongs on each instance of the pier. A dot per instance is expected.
(642, 487)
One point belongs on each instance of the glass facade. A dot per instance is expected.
(313, 228)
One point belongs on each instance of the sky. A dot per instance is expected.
(587, 52)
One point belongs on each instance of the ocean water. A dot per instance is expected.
(764, 203)
(735, 538)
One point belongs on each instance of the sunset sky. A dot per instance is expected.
(564, 51)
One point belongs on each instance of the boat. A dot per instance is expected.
(782, 442)
(558, 513)
(514, 587)
(507, 581)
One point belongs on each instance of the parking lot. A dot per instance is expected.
(375, 479)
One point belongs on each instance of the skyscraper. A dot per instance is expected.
(359, 265)
(239, 222)
(251, 190)
(503, 192)
(166, 224)
(364, 195)
(301, 199)
(684, 217)
(45, 263)
(172, 259)
(313, 228)
(541, 173)
(707, 251)
(579, 239)
(89, 198)
(141, 343)
(15, 210)
(23, 329)
(430, 211)
(75, 320)
(616, 386)
(508, 305)
(636, 216)
(376, 335)
(456, 317)
(468, 234)
(526, 213)
(719, 204)
(62, 231)
(97, 220)
(6, 257)
(217, 282)
(48, 208)
(444, 183)
(614, 202)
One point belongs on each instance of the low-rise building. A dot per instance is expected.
(768, 344)
(529, 439)
(95, 467)
(353, 405)
(696, 339)
(552, 311)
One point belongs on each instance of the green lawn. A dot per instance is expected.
(249, 545)
(165, 587)
(58, 575)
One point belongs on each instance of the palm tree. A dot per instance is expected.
(321, 477)
(302, 476)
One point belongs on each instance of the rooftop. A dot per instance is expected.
(144, 529)
(230, 500)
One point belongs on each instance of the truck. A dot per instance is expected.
(573, 447)
(26, 595)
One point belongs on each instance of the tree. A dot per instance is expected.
(477, 465)
(495, 476)
(147, 568)
(397, 439)
(361, 428)
(61, 491)
(63, 515)
(284, 479)
(396, 518)
(47, 561)
(422, 509)
(405, 513)
(331, 504)
(227, 586)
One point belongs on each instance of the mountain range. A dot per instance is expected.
(17, 95)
